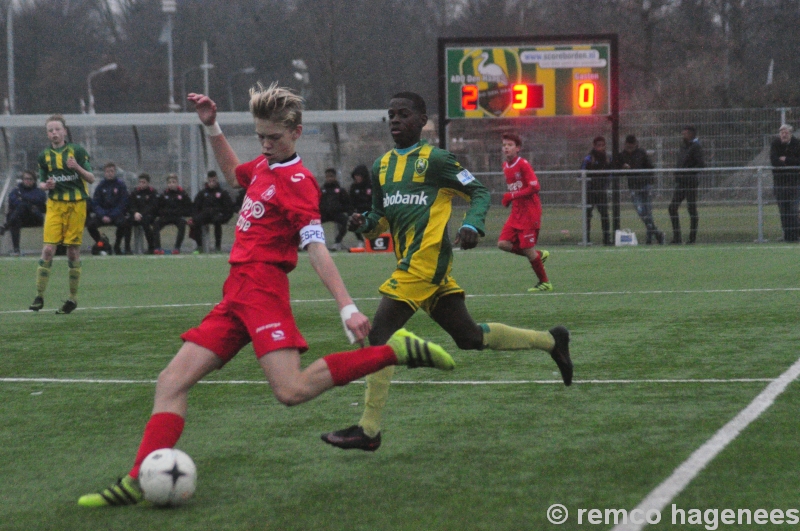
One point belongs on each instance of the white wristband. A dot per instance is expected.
(346, 313)
(213, 130)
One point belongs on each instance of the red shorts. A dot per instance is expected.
(520, 238)
(255, 307)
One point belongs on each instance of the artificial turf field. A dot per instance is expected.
(669, 344)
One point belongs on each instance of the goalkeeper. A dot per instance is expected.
(413, 188)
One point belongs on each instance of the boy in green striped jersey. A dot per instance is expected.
(65, 173)
(413, 188)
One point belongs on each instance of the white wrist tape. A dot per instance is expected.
(346, 313)
(213, 130)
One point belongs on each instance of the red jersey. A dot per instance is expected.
(281, 199)
(526, 209)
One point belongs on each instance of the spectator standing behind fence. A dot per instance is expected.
(174, 205)
(334, 205)
(212, 206)
(360, 195)
(109, 207)
(26, 208)
(640, 185)
(783, 154)
(690, 155)
(142, 208)
(597, 188)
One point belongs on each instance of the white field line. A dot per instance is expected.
(474, 296)
(400, 382)
(689, 469)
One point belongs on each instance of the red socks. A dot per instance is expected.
(538, 267)
(352, 365)
(162, 431)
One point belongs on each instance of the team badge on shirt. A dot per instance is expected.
(421, 166)
(268, 193)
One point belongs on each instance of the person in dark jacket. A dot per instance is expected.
(783, 154)
(174, 204)
(640, 185)
(597, 188)
(360, 194)
(212, 205)
(334, 205)
(26, 208)
(690, 155)
(142, 208)
(109, 206)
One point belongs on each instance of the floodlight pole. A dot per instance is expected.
(206, 66)
(247, 70)
(10, 56)
(107, 68)
(169, 7)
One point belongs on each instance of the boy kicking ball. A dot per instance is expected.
(280, 213)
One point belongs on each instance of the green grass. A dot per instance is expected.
(455, 457)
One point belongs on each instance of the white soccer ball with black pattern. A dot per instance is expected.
(168, 477)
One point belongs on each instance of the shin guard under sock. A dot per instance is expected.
(348, 366)
(162, 431)
(497, 336)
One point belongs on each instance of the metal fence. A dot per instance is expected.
(736, 203)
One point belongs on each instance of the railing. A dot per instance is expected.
(735, 204)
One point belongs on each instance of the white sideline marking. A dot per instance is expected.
(474, 296)
(400, 382)
(689, 469)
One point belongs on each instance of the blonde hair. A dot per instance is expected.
(276, 104)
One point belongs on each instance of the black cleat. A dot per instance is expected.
(353, 438)
(37, 304)
(68, 306)
(560, 353)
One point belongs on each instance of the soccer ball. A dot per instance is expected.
(167, 477)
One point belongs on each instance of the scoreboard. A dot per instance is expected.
(527, 77)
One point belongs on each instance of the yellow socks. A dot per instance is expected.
(497, 336)
(375, 400)
(74, 279)
(42, 276)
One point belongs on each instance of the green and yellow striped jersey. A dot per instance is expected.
(70, 186)
(413, 190)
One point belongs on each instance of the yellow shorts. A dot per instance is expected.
(64, 222)
(416, 292)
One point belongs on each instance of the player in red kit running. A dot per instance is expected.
(520, 234)
(280, 212)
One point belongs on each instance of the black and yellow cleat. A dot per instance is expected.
(541, 286)
(37, 304)
(67, 307)
(545, 256)
(125, 491)
(414, 352)
(560, 353)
